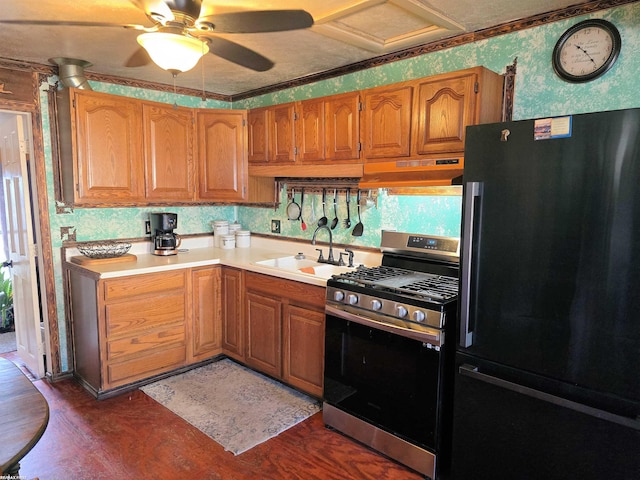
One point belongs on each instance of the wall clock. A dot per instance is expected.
(586, 50)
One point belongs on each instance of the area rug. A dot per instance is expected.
(8, 342)
(235, 406)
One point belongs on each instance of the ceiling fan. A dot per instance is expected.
(183, 32)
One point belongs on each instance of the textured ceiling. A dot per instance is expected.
(344, 32)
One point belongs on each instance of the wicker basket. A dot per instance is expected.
(104, 249)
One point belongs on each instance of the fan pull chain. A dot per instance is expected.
(175, 95)
(204, 98)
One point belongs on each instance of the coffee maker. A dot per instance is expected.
(165, 242)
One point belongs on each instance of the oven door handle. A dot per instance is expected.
(431, 336)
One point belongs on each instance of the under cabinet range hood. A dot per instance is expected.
(441, 171)
(337, 170)
(424, 172)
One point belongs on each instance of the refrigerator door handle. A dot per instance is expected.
(472, 372)
(472, 193)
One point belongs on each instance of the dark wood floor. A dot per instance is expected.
(132, 436)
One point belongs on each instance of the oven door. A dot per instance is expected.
(382, 377)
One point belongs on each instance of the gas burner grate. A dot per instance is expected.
(374, 274)
(438, 287)
(406, 282)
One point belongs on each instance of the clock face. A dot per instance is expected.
(586, 50)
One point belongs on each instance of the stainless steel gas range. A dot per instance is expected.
(389, 347)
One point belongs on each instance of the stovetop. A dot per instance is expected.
(419, 285)
(416, 286)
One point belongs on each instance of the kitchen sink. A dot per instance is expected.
(325, 270)
(306, 266)
(288, 263)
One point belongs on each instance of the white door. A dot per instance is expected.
(15, 149)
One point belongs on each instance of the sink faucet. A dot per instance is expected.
(313, 242)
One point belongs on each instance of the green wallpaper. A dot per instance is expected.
(437, 215)
(538, 93)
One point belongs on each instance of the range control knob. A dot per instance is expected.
(338, 296)
(376, 304)
(418, 316)
(352, 299)
(401, 311)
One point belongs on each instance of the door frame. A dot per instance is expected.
(38, 183)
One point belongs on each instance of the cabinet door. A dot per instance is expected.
(263, 333)
(303, 348)
(310, 134)
(258, 138)
(282, 133)
(387, 122)
(232, 328)
(222, 164)
(444, 109)
(206, 332)
(342, 125)
(109, 161)
(168, 152)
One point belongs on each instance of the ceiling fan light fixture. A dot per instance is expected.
(173, 52)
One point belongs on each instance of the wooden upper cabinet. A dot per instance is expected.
(310, 130)
(168, 152)
(447, 104)
(221, 155)
(106, 132)
(342, 127)
(271, 134)
(444, 109)
(387, 122)
(258, 135)
(282, 133)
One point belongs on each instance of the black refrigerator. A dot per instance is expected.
(547, 379)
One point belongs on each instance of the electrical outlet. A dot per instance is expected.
(275, 226)
(147, 227)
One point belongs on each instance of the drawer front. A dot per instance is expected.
(145, 313)
(300, 293)
(146, 342)
(147, 366)
(115, 289)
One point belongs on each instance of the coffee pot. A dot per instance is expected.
(165, 241)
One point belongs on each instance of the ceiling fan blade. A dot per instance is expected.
(140, 58)
(259, 21)
(73, 23)
(239, 55)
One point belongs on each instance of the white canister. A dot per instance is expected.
(228, 241)
(243, 238)
(234, 227)
(220, 228)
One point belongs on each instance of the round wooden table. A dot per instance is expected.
(24, 414)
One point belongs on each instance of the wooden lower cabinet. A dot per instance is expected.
(284, 330)
(129, 329)
(264, 333)
(303, 348)
(206, 332)
(232, 313)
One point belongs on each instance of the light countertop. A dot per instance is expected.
(199, 251)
